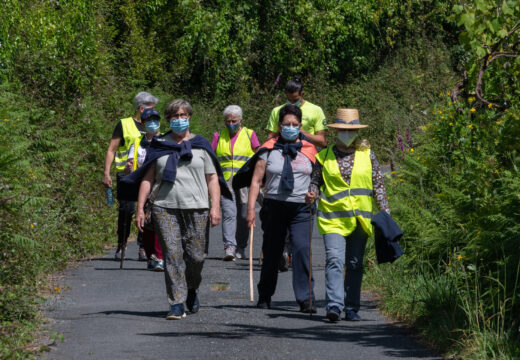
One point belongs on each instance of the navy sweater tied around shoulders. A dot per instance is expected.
(160, 147)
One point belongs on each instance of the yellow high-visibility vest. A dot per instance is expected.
(232, 162)
(341, 205)
(130, 133)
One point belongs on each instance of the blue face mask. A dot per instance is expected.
(233, 127)
(290, 133)
(152, 126)
(298, 103)
(180, 126)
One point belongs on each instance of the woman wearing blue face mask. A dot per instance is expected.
(286, 162)
(233, 146)
(183, 174)
(347, 179)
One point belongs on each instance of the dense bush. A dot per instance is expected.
(457, 196)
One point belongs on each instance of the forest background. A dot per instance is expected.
(436, 80)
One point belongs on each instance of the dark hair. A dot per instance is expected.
(290, 110)
(294, 85)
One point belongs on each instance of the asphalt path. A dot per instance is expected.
(107, 313)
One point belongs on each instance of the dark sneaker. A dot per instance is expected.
(263, 303)
(284, 262)
(305, 307)
(192, 301)
(333, 314)
(351, 315)
(229, 253)
(141, 255)
(176, 312)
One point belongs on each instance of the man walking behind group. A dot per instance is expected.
(125, 133)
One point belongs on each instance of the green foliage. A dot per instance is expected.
(457, 197)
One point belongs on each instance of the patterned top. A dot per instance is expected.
(346, 162)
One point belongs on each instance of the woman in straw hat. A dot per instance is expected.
(345, 179)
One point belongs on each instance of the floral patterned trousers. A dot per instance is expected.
(183, 234)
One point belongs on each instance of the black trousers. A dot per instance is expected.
(124, 219)
(278, 218)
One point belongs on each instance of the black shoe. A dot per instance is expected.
(192, 301)
(263, 303)
(305, 307)
(283, 262)
(351, 315)
(333, 314)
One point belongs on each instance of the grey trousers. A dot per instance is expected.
(344, 292)
(234, 224)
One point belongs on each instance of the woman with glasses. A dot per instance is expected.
(181, 170)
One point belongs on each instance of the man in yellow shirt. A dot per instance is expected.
(313, 118)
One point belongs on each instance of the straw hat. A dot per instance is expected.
(347, 119)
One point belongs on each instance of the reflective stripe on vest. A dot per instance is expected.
(232, 162)
(130, 134)
(341, 205)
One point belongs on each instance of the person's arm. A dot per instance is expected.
(109, 159)
(144, 190)
(316, 182)
(271, 134)
(318, 139)
(255, 144)
(214, 193)
(256, 183)
(379, 185)
(129, 166)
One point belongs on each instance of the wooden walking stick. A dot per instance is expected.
(251, 291)
(310, 262)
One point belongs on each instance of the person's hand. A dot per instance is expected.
(139, 219)
(107, 181)
(129, 166)
(214, 216)
(310, 197)
(251, 217)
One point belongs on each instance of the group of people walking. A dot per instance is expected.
(193, 184)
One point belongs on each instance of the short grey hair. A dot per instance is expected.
(233, 110)
(144, 99)
(175, 105)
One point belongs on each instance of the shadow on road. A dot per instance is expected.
(361, 335)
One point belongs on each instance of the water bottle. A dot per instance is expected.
(110, 197)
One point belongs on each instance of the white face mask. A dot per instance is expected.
(347, 137)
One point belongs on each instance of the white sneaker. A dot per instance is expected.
(229, 253)
(241, 253)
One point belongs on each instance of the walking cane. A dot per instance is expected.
(251, 291)
(123, 244)
(310, 262)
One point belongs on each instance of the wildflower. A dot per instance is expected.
(473, 110)
(393, 172)
(471, 99)
(478, 148)
(57, 289)
(478, 233)
(470, 126)
(460, 257)
(496, 171)
(451, 124)
(32, 226)
(6, 119)
(449, 93)
(490, 106)
(441, 94)
(411, 149)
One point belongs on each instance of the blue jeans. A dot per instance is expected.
(345, 292)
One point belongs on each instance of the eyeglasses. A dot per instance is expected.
(182, 115)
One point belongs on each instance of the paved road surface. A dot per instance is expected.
(108, 313)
